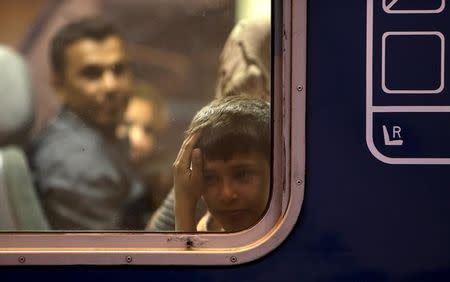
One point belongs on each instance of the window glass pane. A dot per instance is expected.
(113, 87)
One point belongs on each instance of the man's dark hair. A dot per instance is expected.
(233, 125)
(86, 28)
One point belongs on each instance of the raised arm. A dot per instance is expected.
(188, 183)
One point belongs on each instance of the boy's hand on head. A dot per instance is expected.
(188, 182)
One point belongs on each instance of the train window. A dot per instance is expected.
(154, 132)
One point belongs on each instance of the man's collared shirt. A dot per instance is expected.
(82, 177)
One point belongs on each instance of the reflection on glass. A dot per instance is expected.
(114, 96)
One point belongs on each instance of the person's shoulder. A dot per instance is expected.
(64, 140)
(208, 224)
(67, 129)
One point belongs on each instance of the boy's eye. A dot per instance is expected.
(244, 175)
(210, 179)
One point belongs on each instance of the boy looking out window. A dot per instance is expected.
(225, 158)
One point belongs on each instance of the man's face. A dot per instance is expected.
(97, 80)
(237, 190)
(139, 127)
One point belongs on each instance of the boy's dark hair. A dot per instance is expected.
(233, 125)
(86, 28)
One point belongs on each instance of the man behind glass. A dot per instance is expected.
(80, 170)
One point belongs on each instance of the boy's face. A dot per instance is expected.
(97, 80)
(237, 190)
